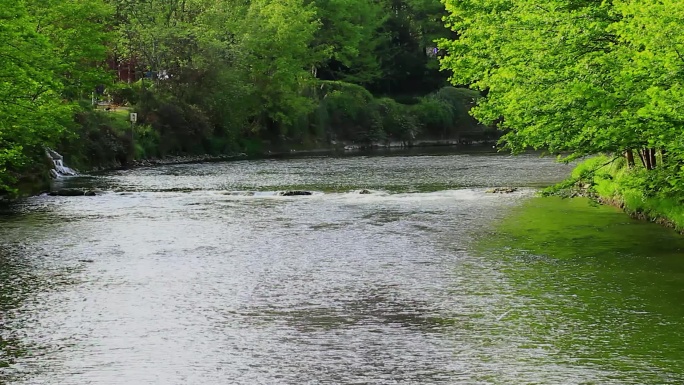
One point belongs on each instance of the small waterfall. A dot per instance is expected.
(58, 169)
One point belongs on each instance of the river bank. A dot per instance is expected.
(610, 181)
(345, 147)
(334, 148)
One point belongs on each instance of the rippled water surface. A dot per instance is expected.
(202, 274)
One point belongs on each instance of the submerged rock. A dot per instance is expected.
(502, 190)
(295, 193)
(364, 191)
(68, 192)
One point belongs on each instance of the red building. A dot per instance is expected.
(126, 69)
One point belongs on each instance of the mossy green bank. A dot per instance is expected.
(640, 192)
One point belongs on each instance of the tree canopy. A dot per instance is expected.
(583, 77)
(220, 76)
(46, 56)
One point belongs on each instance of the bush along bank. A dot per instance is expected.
(642, 192)
(339, 114)
(333, 112)
(172, 130)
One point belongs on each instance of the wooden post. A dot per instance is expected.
(133, 117)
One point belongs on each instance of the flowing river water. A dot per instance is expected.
(202, 274)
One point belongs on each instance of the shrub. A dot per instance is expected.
(435, 116)
(397, 120)
(459, 101)
(346, 108)
(146, 142)
(98, 141)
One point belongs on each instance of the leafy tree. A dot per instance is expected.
(546, 68)
(77, 33)
(406, 50)
(42, 62)
(274, 40)
(347, 40)
(576, 77)
(159, 34)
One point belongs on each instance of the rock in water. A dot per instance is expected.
(502, 190)
(364, 191)
(68, 192)
(295, 193)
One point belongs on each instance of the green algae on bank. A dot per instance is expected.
(595, 287)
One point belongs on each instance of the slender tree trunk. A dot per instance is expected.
(630, 158)
(647, 159)
(653, 158)
(641, 156)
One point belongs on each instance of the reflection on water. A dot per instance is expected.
(201, 274)
(592, 288)
(25, 279)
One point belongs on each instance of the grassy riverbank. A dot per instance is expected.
(610, 181)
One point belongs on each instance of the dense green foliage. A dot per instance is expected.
(579, 77)
(287, 73)
(46, 51)
(220, 76)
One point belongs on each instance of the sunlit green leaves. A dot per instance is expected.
(577, 77)
(47, 52)
(561, 75)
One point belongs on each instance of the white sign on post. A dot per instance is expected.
(134, 117)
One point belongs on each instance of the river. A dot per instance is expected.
(203, 274)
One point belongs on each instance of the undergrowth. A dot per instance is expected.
(608, 179)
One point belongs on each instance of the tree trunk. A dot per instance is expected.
(641, 156)
(647, 158)
(630, 158)
(652, 153)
